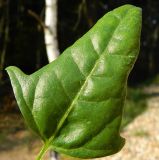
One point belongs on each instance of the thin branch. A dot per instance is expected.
(80, 9)
(39, 20)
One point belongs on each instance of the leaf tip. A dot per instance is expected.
(13, 70)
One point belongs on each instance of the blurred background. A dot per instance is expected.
(33, 33)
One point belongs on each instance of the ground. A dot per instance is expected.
(142, 139)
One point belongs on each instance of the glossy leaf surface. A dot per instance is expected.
(75, 103)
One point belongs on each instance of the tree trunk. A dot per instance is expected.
(4, 30)
(51, 30)
(51, 41)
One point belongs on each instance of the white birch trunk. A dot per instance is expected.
(51, 41)
(51, 30)
(54, 155)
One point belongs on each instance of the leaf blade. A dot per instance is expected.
(82, 93)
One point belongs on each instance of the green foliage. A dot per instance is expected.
(75, 103)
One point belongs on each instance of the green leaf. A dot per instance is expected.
(76, 102)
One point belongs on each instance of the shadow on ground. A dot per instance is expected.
(13, 131)
(136, 103)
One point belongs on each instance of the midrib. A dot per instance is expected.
(79, 92)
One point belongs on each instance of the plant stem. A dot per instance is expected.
(42, 152)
